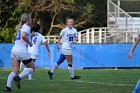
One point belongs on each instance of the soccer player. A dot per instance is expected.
(69, 34)
(36, 40)
(130, 55)
(20, 53)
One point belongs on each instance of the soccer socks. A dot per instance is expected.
(54, 67)
(61, 59)
(25, 72)
(10, 79)
(30, 76)
(137, 87)
(71, 71)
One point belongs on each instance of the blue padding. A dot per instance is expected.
(84, 55)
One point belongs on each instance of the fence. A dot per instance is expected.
(103, 35)
(84, 56)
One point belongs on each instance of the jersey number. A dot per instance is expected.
(18, 35)
(70, 38)
(34, 40)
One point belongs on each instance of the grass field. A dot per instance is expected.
(92, 81)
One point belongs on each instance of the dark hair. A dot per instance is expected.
(35, 28)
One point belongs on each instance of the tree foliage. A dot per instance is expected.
(10, 13)
(50, 13)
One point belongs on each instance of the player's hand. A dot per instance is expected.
(130, 55)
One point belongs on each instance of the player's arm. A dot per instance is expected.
(133, 47)
(58, 43)
(75, 39)
(59, 39)
(48, 49)
(24, 37)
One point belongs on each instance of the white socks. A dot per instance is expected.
(25, 72)
(10, 79)
(30, 76)
(21, 75)
(71, 71)
(54, 67)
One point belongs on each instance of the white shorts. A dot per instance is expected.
(20, 56)
(66, 51)
(33, 56)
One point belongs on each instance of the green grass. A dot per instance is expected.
(92, 81)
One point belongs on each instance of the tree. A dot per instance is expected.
(51, 14)
(55, 9)
(9, 18)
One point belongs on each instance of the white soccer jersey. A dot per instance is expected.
(36, 41)
(20, 45)
(68, 35)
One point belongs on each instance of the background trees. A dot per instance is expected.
(51, 14)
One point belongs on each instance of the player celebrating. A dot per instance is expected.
(69, 34)
(130, 55)
(20, 53)
(36, 40)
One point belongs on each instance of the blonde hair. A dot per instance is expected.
(24, 18)
(68, 19)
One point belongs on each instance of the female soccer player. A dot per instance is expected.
(130, 55)
(69, 34)
(36, 40)
(20, 53)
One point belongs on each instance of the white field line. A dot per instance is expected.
(112, 84)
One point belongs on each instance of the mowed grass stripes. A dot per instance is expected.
(92, 81)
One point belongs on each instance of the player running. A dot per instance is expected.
(36, 40)
(69, 34)
(20, 53)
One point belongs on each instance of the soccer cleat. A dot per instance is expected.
(7, 89)
(50, 74)
(75, 77)
(17, 81)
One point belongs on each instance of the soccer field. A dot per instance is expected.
(92, 81)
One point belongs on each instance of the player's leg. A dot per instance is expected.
(70, 69)
(15, 69)
(34, 57)
(25, 72)
(30, 68)
(68, 56)
(30, 76)
(55, 66)
(137, 87)
(61, 59)
(27, 61)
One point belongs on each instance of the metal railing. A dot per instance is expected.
(102, 35)
(52, 39)
(117, 17)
